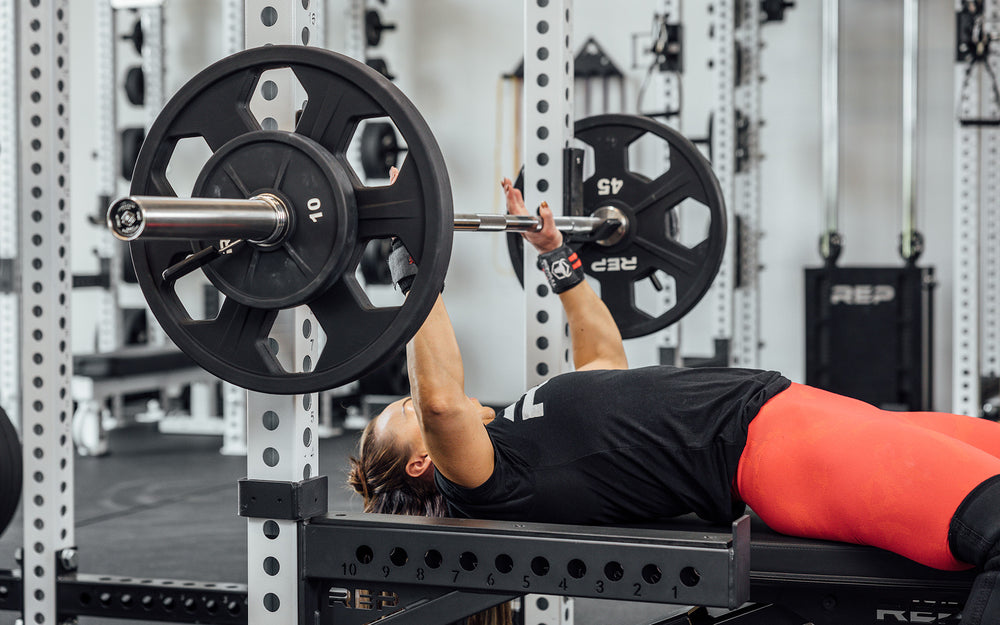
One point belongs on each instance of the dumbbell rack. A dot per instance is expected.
(114, 19)
(737, 118)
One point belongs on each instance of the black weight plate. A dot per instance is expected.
(389, 379)
(136, 36)
(515, 241)
(323, 218)
(374, 265)
(135, 86)
(649, 205)
(130, 141)
(379, 149)
(647, 246)
(417, 208)
(10, 471)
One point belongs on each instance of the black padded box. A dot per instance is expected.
(869, 334)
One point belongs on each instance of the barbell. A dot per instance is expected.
(264, 220)
(279, 219)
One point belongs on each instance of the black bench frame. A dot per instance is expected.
(361, 568)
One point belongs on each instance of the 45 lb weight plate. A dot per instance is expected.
(675, 222)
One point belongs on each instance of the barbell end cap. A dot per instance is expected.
(125, 219)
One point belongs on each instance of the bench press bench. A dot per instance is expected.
(361, 567)
(105, 377)
(844, 584)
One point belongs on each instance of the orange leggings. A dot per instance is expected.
(820, 465)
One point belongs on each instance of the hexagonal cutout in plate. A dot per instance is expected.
(693, 222)
(189, 156)
(649, 156)
(588, 158)
(375, 146)
(201, 300)
(284, 326)
(278, 100)
(373, 275)
(656, 294)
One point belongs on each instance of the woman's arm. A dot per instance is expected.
(597, 343)
(451, 422)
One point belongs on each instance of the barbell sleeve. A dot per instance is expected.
(263, 219)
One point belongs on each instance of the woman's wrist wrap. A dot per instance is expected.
(562, 268)
(402, 269)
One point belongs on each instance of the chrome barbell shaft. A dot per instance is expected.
(263, 218)
(491, 222)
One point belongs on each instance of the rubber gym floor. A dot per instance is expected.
(164, 506)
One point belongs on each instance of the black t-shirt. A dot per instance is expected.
(601, 447)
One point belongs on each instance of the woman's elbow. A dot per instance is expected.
(436, 406)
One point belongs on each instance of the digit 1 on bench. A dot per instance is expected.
(314, 205)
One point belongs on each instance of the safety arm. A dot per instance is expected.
(597, 343)
(451, 422)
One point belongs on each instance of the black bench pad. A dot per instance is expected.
(131, 361)
(785, 559)
(771, 552)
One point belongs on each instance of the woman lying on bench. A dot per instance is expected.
(606, 445)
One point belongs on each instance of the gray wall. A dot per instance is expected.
(870, 161)
(448, 55)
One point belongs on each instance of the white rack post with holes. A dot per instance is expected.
(234, 404)
(976, 301)
(10, 385)
(281, 445)
(723, 158)
(110, 333)
(745, 348)
(42, 123)
(548, 130)
(670, 337)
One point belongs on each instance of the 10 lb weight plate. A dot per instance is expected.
(319, 263)
(323, 218)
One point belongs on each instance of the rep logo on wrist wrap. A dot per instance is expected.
(562, 268)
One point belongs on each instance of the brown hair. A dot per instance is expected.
(379, 476)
